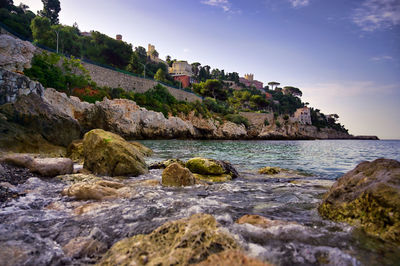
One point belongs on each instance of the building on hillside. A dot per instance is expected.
(86, 34)
(118, 37)
(182, 71)
(249, 81)
(153, 55)
(303, 115)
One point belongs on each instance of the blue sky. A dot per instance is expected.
(343, 55)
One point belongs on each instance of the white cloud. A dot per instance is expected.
(224, 4)
(377, 14)
(299, 3)
(382, 58)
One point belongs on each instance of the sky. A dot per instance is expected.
(344, 55)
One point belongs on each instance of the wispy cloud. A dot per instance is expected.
(377, 14)
(382, 58)
(224, 4)
(299, 3)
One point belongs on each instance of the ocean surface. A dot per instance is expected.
(323, 158)
(43, 222)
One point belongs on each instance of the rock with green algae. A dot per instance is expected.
(142, 149)
(269, 170)
(231, 257)
(106, 153)
(75, 151)
(182, 242)
(211, 170)
(368, 197)
(177, 176)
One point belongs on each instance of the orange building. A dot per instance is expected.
(185, 80)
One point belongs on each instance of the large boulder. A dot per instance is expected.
(180, 242)
(106, 153)
(93, 191)
(15, 54)
(211, 170)
(37, 114)
(176, 176)
(368, 196)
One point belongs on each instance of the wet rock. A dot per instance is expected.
(211, 170)
(93, 191)
(81, 247)
(2, 170)
(78, 178)
(37, 114)
(142, 149)
(108, 154)
(14, 175)
(166, 163)
(51, 167)
(231, 257)
(269, 170)
(75, 151)
(180, 242)
(260, 221)
(177, 176)
(367, 196)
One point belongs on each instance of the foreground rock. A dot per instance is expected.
(180, 242)
(231, 257)
(211, 170)
(75, 151)
(15, 54)
(50, 167)
(106, 153)
(93, 191)
(368, 196)
(47, 167)
(177, 176)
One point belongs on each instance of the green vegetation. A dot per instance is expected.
(17, 18)
(51, 8)
(237, 119)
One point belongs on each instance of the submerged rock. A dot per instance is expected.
(368, 196)
(166, 163)
(260, 221)
(269, 170)
(93, 191)
(106, 153)
(231, 257)
(180, 242)
(211, 170)
(176, 176)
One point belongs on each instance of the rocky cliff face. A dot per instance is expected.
(15, 54)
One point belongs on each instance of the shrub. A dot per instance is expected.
(237, 119)
(266, 122)
(278, 124)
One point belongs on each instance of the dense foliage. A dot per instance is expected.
(17, 18)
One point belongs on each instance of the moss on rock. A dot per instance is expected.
(269, 170)
(176, 176)
(205, 166)
(182, 242)
(369, 197)
(106, 153)
(213, 178)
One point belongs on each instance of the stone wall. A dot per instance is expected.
(13, 84)
(114, 79)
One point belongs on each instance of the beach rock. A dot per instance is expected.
(182, 242)
(51, 167)
(260, 221)
(37, 114)
(145, 151)
(269, 170)
(166, 163)
(78, 178)
(15, 54)
(211, 170)
(93, 191)
(367, 196)
(231, 257)
(18, 159)
(106, 153)
(176, 176)
(75, 151)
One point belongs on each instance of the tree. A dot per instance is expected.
(160, 75)
(273, 84)
(6, 4)
(211, 88)
(42, 33)
(293, 91)
(51, 8)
